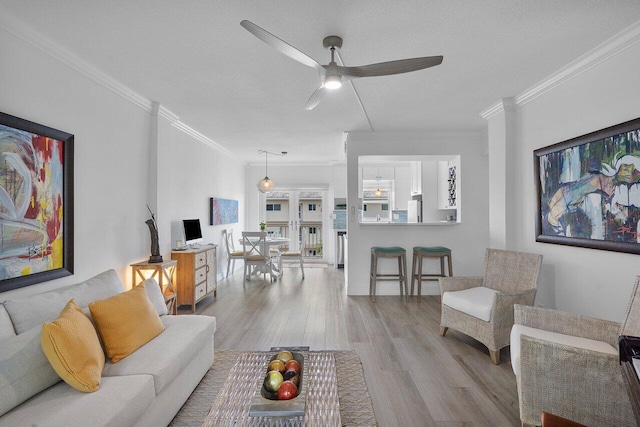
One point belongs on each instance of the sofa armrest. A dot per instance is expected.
(450, 284)
(503, 305)
(566, 323)
(582, 385)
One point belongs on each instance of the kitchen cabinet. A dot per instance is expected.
(402, 187)
(375, 173)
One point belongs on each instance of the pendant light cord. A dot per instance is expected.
(266, 159)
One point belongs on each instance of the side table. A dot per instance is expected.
(164, 273)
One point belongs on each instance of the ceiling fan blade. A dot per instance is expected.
(316, 97)
(280, 45)
(391, 67)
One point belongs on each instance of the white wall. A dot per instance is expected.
(115, 157)
(190, 173)
(467, 240)
(586, 281)
(111, 156)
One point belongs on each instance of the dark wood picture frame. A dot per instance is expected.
(28, 148)
(588, 190)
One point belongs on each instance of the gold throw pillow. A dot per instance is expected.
(126, 322)
(72, 347)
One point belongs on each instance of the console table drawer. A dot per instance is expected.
(201, 290)
(201, 260)
(201, 274)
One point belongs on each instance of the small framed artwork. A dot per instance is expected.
(588, 190)
(222, 211)
(36, 203)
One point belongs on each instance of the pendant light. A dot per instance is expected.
(378, 192)
(266, 185)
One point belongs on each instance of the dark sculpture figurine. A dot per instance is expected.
(155, 247)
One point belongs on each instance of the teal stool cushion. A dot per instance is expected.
(431, 249)
(388, 249)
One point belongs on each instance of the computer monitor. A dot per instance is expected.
(192, 231)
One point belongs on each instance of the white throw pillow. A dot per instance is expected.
(155, 295)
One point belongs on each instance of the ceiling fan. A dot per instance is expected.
(332, 75)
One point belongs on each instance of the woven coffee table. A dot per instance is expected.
(236, 395)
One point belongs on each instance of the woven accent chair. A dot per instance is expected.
(482, 307)
(232, 253)
(568, 364)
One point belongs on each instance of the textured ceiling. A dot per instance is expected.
(196, 60)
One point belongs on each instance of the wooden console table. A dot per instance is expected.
(164, 273)
(197, 274)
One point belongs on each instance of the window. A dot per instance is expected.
(274, 206)
(312, 206)
(312, 230)
(385, 207)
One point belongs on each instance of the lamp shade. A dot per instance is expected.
(265, 185)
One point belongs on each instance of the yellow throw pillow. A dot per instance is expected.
(72, 347)
(126, 322)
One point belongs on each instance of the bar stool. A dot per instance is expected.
(421, 252)
(388, 252)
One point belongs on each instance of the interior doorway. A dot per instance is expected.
(297, 215)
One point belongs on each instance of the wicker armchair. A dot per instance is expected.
(482, 307)
(573, 371)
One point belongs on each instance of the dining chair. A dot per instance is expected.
(256, 255)
(294, 256)
(232, 253)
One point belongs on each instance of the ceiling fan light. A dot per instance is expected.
(332, 82)
(265, 185)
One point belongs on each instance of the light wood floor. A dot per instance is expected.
(415, 377)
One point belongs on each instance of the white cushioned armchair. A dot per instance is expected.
(568, 364)
(482, 307)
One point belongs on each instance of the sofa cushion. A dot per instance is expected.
(166, 356)
(125, 322)
(121, 401)
(584, 343)
(24, 369)
(155, 295)
(34, 310)
(6, 327)
(72, 347)
(476, 302)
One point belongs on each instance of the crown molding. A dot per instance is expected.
(609, 48)
(505, 104)
(33, 37)
(16, 27)
(204, 139)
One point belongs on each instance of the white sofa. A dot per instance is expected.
(146, 388)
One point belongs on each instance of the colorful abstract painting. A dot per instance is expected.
(223, 211)
(32, 202)
(589, 190)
